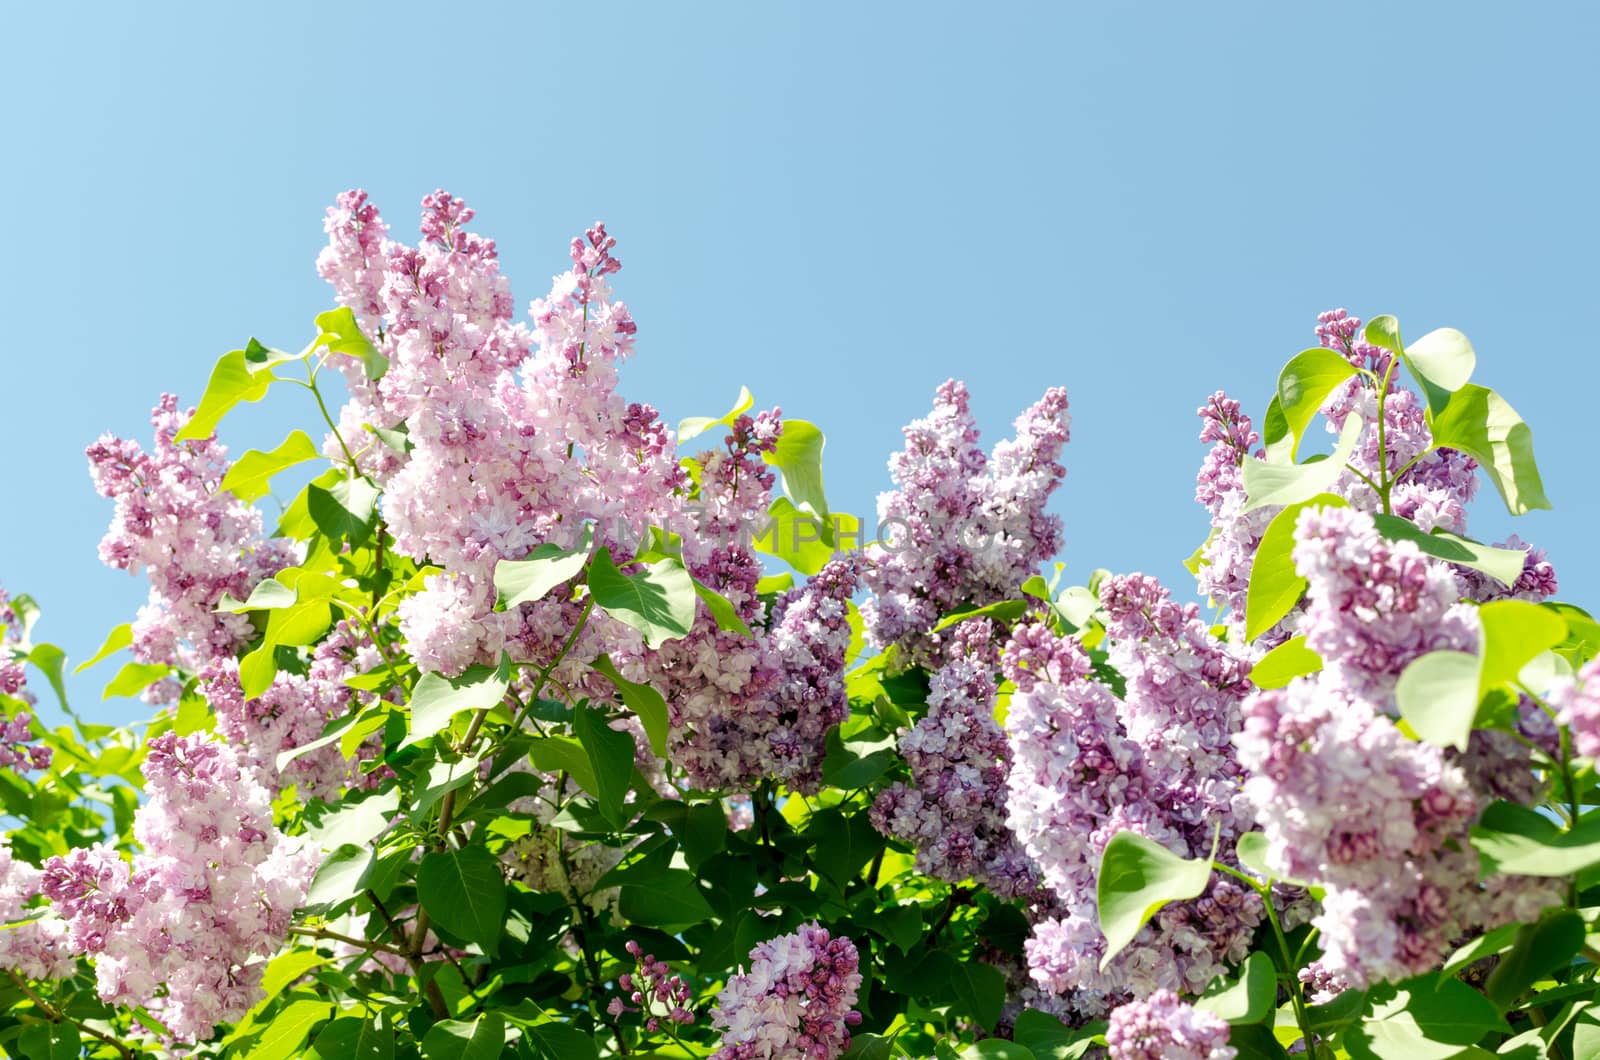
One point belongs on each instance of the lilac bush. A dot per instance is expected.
(528, 724)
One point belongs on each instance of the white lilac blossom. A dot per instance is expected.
(1086, 764)
(194, 542)
(795, 1003)
(1162, 1027)
(953, 810)
(184, 929)
(1344, 799)
(962, 528)
(33, 940)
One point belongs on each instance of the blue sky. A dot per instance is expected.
(837, 205)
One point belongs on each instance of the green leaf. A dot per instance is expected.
(721, 610)
(560, 1041)
(52, 662)
(658, 601)
(1513, 633)
(995, 1049)
(234, 379)
(523, 581)
(269, 594)
(1275, 583)
(671, 901)
(979, 989)
(286, 1031)
(353, 1038)
(1497, 941)
(1275, 436)
(49, 1041)
(1482, 424)
(556, 754)
(1305, 385)
(798, 458)
(437, 699)
(696, 425)
(135, 677)
(1419, 1022)
(799, 538)
(1004, 611)
(1050, 1039)
(1284, 663)
(256, 671)
(344, 511)
(465, 894)
(251, 476)
(844, 768)
(339, 877)
(285, 968)
(611, 753)
(869, 1047)
(1504, 565)
(846, 844)
(1137, 878)
(643, 700)
(115, 641)
(1438, 697)
(1278, 484)
(1518, 841)
(1443, 361)
(1540, 948)
(482, 1039)
(342, 335)
(1249, 997)
(1384, 331)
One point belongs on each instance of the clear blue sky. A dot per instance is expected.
(836, 205)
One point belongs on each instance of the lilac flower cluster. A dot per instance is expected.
(184, 929)
(17, 751)
(193, 541)
(796, 1001)
(656, 992)
(1578, 704)
(1346, 801)
(962, 528)
(1161, 1027)
(1431, 488)
(1157, 761)
(518, 437)
(293, 712)
(33, 940)
(953, 810)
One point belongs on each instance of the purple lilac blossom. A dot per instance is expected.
(795, 1003)
(1158, 761)
(1578, 707)
(1161, 1027)
(1347, 802)
(33, 941)
(953, 809)
(961, 528)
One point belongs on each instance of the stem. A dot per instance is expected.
(413, 953)
(370, 945)
(1383, 447)
(316, 392)
(54, 1015)
(1290, 962)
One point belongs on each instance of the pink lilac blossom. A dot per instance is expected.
(654, 990)
(796, 1001)
(1157, 761)
(1347, 802)
(1161, 1027)
(194, 542)
(953, 809)
(185, 928)
(1578, 706)
(33, 940)
(962, 528)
